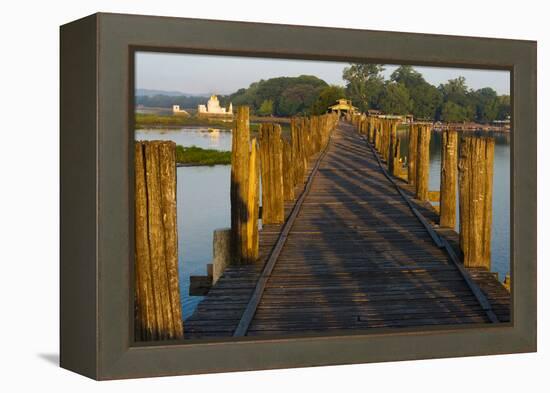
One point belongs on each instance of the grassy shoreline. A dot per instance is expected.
(196, 156)
(152, 121)
(176, 121)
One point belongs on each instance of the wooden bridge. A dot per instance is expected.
(356, 251)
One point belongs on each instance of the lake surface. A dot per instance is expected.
(500, 235)
(204, 203)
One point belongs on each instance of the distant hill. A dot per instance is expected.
(152, 93)
(281, 96)
(166, 101)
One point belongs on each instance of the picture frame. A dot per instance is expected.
(96, 258)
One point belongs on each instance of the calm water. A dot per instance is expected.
(500, 237)
(204, 204)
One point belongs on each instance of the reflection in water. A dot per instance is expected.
(205, 138)
(500, 237)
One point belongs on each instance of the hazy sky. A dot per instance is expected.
(200, 74)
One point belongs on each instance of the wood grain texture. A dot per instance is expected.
(448, 183)
(475, 199)
(253, 204)
(423, 163)
(158, 305)
(288, 172)
(271, 153)
(146, 322)
(413, 146)
(239, 185)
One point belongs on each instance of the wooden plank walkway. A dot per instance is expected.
(219, 313)
(488, 282)
(356, 257)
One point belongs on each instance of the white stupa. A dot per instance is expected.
(213, 107)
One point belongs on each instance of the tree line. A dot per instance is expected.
(282, 96)
(408, 92)
(287, 96)
(166, 101)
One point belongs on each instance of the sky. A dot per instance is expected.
(208, 74)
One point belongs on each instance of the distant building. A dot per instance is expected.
(213, 107)
(502, 122)
(176, 110)
(373, 112)
(342, 106)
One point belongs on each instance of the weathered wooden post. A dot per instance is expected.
(168, 182)
(147, 325)
(507, 283)
(363, 125)
(475, 200)
(449, 166)
(371, 130)
(392, 166)
(387, 140)
(288, 172)
(306, 139)
(397, 166)
(271, 157)
(387, 148)
(303, 138)
(423, 163)
(380, 133)
(312, 135)
(253, 204)
(413, 146)
(239, 184)
(297, 159)
(158, 306)
(221, 244)
(317, 133)
(383, 139)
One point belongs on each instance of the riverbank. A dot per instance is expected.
(143, 120)
(170, 121)
(196, 156)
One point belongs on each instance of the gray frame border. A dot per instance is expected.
(97, 196)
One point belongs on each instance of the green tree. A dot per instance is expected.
(266, 109)
(487, 104)
(297, 99)
(454, 113)
(408, 76)
(327, 97)
(246, 96)
(395, 99)
(426, 98)
(364, 84)
(456, 92)
(504, 108)
(281, 91)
